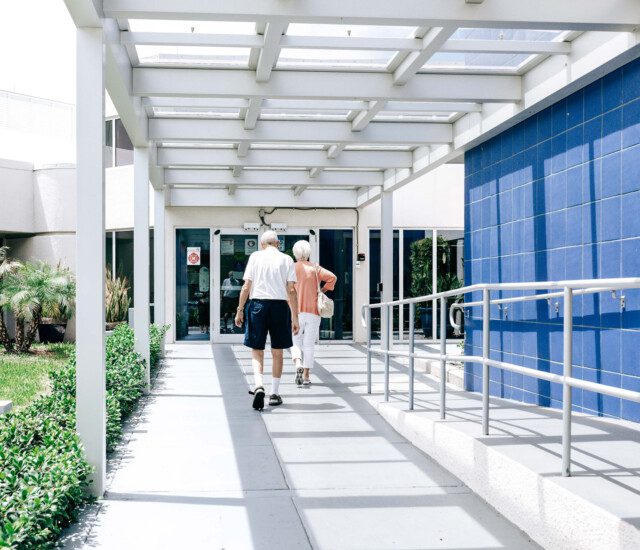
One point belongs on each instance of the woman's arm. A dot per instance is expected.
(328, 278)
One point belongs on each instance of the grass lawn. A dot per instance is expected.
(25, 377)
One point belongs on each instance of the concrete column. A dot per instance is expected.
(90, 253)
(386, 256)
(158, 258)
(141, 255)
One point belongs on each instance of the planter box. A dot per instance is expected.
(51, 333)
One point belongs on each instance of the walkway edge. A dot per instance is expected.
(551, 515)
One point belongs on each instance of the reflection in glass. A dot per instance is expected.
(336, 255)
(192, 284)
(234, 254)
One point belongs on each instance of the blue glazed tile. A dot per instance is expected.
(574, 186)
(527, 200)
(630, 169)
(544, 157)
(592, 138)
(545, 125)
(631, 81)
(591, 181)
(557, 229)
(591, 402)
(518, 138)
(530, 132)
(558, 192)
(631, 124)
(590, 351)
(593, 100)
(611, 131)
(528, 235)
(559, 116)
(574, 227)
(589, 228)
(610, 226)
(630, 215)
(610, 354)
(612, 90)
(559, 152)
(630, 352)
(529, 160)
(557, 265)
(574, 263)
(630, 255)
(574, 146)
(611, 174)
(609, 259)
(506, 141)
(575, 109)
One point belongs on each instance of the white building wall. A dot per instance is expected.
(16, 192)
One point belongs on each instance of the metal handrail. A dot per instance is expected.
(569, 289)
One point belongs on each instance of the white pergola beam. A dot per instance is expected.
(264, 178)
(297, 191)
(364, 117)
(268, 131)
(283, 198)
(243, 149)
(283, 158)
(321, 85)
(270, 50)
(506, 46)
(236, 171)
(431, 43)
(253, 112)
(315, 172)
(542, 14)
(335, 150)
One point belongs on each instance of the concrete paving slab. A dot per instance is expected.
(201, 469)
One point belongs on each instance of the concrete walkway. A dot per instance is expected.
(201, 469)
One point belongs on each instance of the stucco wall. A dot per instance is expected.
(16, 191)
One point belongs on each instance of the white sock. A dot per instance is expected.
(275, 386)
(257, 375)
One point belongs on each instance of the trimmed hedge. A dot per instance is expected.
(43, 470)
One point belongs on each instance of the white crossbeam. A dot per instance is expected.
(335, 150)
(157, 82)
(431, 43)
(270, 50)
(506, 46)
(541, 14)
(364, 117)
(236, 171)
(283, 198)
(315, 172)
(283, 158)
(298, 131)
(260, 178)
(243, 148)
(253, 112)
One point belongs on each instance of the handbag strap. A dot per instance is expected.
(317, 270)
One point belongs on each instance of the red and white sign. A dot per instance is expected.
(193, 255)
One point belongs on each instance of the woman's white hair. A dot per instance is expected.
(302, 250)
(269, 237)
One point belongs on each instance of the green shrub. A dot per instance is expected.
(43, 470)
(156, 335)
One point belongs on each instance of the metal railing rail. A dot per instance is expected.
(568, 289)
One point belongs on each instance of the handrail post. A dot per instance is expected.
(443, 352)
(486, 318)
(387, 347)
(567, 330)
(412, 346)
(368, 317)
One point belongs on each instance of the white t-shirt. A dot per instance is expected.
(269, 271)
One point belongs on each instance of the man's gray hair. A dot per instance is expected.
(302, 250)
(269, 237)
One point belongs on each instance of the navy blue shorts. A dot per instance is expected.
(271, 317)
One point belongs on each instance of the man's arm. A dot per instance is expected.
(292, 299)
(244, 295)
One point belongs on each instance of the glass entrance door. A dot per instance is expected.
(232, 248)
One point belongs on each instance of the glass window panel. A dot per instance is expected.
(205, 27)
(336, 254)
(507, 34)
(192, 284)
(395, 116)
(476, 60)
(109, 251)
(197, 112)
(368, 59)
(193, 55)
(375, 276)
(108, 143)
(124, 258)
(313, 29)
(124, 147)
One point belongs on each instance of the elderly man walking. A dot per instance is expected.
(269, 280)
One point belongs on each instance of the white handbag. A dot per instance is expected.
(325, 304)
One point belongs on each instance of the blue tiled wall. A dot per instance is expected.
(558, 197)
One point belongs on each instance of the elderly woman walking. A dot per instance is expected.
(309, 282)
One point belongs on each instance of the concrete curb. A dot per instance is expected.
(549, 513)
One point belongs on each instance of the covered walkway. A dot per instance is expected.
(200, 469)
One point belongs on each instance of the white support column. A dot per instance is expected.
(158, 258)
(386, 259)
(141, 256)
(90, 252)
